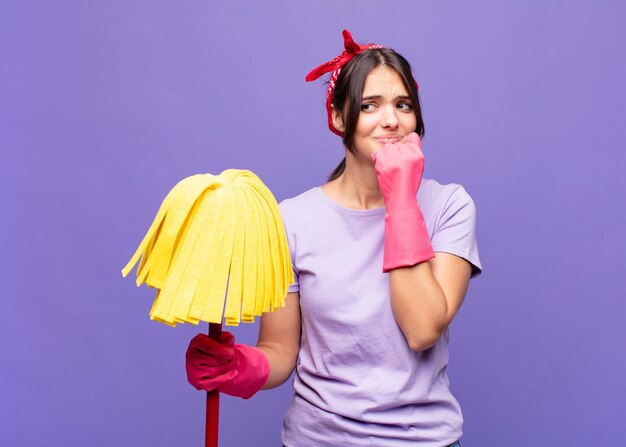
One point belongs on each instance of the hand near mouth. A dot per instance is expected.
(399, 168)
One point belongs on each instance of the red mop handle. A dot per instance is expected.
(212, 399)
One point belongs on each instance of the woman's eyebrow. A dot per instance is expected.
(370, 97)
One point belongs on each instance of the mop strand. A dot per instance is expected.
(216, 249)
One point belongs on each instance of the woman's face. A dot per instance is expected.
(386, 115)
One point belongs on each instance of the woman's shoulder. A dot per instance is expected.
(301, 199)
(300, 213)
(432, 191)
(301, 205)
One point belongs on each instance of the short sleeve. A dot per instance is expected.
(455, 229)
(295, 285)
(289, 230)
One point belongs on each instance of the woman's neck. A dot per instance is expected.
(357, 187)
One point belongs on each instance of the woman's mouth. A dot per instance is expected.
(388, 139)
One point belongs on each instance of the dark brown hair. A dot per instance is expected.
(349, 89)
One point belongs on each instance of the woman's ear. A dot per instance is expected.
(337, 119)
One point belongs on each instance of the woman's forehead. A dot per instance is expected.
(384, 81)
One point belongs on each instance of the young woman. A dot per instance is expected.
(382, 260)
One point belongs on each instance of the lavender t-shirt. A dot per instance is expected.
(357, 381)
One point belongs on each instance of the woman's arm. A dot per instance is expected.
(279, 339)
(426, 297)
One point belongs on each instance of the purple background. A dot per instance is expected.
(106, 105)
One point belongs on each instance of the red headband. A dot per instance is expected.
(335, 65)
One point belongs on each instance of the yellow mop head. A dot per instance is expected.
(217, 247)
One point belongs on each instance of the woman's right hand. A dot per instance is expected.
(235, 369)
(211, 364)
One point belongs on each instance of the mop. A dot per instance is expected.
(216, 251)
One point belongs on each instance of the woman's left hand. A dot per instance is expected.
(399, 168)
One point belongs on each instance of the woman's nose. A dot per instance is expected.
(389, 118)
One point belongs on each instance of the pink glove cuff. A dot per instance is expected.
(253, 370)
(410, 243)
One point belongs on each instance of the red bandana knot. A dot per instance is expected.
(334, 66)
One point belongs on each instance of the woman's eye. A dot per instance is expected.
(405, 106)
(367, 107)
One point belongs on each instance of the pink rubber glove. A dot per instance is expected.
(399, 168)
(238, 370)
